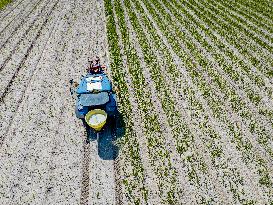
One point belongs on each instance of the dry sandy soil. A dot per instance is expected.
(195, 92)
(44, 157)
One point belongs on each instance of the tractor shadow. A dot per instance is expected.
(107, 137)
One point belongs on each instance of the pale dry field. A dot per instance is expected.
(44, 157)
(194, 81)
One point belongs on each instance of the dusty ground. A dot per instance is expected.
(44, 158)
(194, 81)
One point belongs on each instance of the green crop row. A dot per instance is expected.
(134, 182)
(235, 34)
(220, 58)
(3, 3)
(180, 131)
(257, 79)
(257, 24)
(215, 149)
(251, 94)
(224, 8)
(228, 93)
(212, 145)
(214, 103)
(263, 7)
(159, 156)
(251, 15)
(233, 73)
(259, 55)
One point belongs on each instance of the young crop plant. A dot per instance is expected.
(233, 35)
(226, 89)
(216, 151)
(195, 74)
(128, 144)
(3, 3)
(159, 156)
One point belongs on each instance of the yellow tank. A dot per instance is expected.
(96, 119)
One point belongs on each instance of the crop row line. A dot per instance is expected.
(149, 28)
(168, 63)
(174, 119)
(198, 40)
(260, 52)
(162, 100)
(230, 94)
(224, 11)
(136, 190)
(202, 34)
(247, 10)
(260, 7)
(165, 27)
(160, 157)
(233, 35)
(253, 24)
(223, 87)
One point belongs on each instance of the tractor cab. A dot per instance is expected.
(95, 92)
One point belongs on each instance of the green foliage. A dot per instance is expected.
(3, 3)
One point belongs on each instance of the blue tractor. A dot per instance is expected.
(94, 94)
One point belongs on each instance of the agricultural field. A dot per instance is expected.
(194, 82)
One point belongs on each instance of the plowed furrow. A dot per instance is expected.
(10, 82)
(13, 17)
(9, 9)
(8, 33)
(18, 89)
(8, 53)
(58, 150)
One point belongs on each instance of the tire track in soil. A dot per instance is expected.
(24, 19)
(6, 90)
(22, 39)
(2, 139)
(85, 173)
(94, 178)
(116, 164)
(17, 16)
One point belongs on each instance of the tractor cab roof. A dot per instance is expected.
(92, 83)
